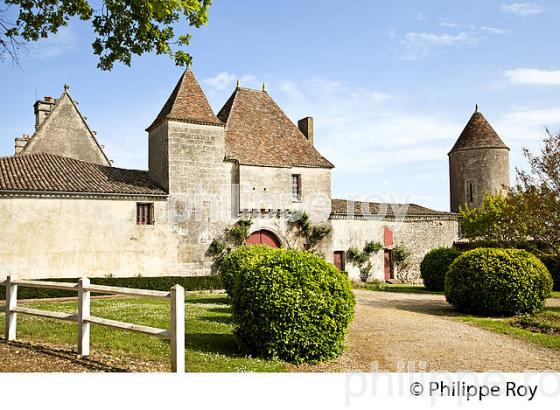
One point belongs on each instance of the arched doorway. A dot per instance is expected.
(264, 237)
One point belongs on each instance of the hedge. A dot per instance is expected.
(288, 304)
(435, 265)
(139, 282)
(497, 282)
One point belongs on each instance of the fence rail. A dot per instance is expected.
(175, 333)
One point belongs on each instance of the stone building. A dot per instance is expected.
(69, 213)
(478, 164)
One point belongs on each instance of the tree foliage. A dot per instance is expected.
(122, 28)
(530, 213)
(402, 263)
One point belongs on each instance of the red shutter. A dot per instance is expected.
(388, 237)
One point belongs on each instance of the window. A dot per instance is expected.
(296, 187)
(145, 214)
(470, 191)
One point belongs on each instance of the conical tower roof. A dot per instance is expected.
(187, 103)
(478, 133)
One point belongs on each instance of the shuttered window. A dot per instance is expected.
(145, 214)
(296, 187)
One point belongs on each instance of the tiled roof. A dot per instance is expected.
(259, 133)
(187, 103)
(478, 133)
(51, 173)
(345, 207)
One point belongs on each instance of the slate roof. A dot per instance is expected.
(259, 133)
(52, 173)
(187, 103)
(478, 133)
(344, 207)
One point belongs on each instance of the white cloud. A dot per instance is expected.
(420, 17)
(220, 81)
(54, 45)
(533, 76)
(415, 39)
(522, 8)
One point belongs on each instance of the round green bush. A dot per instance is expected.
(241, 259)
(497, 282)
(435, 265)
(289, 304)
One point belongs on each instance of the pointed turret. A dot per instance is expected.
(187, 103)
(478, 164)
(478, 133)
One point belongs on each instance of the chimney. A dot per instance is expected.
(21, 142)
(305, 125)
(43, 109)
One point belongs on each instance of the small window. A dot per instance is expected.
(296, 187)
(145, 214)
(470, 191)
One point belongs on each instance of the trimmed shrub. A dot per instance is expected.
(289, 304)
(139, 282)
(553, 265)
(239, 260)
(497, 282)
(435, 265)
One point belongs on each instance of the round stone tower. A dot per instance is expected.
(478, 164)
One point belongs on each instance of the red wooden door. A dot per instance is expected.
(387, 263)
(338, 260)
(263, 237)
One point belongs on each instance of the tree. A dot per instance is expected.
(402, 263)
(362, 259)
(529, 216)
(122, 28)
(492, 222)
(311, 234)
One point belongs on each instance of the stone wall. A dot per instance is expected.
(188, 160)
(486, 168)
(71, 237)
(420, 235)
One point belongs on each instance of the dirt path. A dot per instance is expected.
(417, 332)
(30, 357)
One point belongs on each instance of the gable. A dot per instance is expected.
(65, 133)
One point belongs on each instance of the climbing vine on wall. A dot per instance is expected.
(311, 234)
(362, 258)
(232, 237)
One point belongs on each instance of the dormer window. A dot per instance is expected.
(296, 187)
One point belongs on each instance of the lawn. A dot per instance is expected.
(210, 343)
(505, 326)
(393, 287)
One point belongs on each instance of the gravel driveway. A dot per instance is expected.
(417, 332)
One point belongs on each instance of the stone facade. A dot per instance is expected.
(418, 234)
(71, 236)
(475, 172)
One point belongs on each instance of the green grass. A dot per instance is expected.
(210, 343)
(389, 287)
(505, 326)
(555, 295)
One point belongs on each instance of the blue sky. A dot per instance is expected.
(390, 84)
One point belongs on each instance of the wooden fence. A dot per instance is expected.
(176, 332)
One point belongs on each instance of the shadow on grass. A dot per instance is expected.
(223, 300)
(222, 319)
(213, 343)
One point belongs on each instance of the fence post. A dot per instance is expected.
(84, 299)
(11, 304)
(177, 329)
